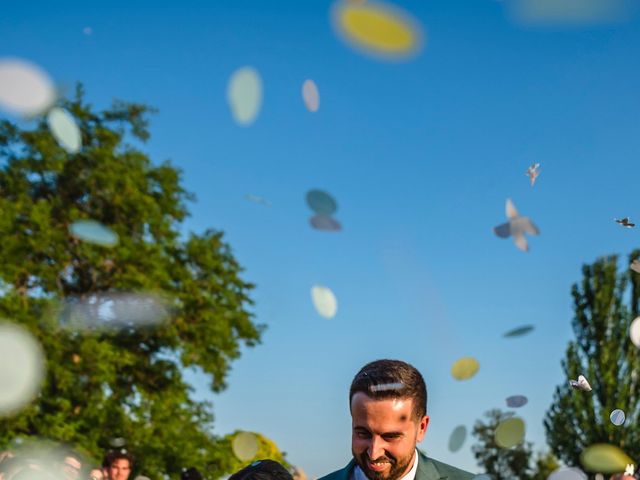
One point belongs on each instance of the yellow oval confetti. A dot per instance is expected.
(465, 368)
(605, 458)
(510, 432)
(378, 28)
(245, 446)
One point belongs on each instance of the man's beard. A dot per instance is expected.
(398, 468)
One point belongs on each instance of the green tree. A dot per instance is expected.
(126, 383)
(605, 303)
(500, 463)
(544, 465)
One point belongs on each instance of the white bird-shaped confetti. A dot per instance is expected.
(635, 266)
(533, 172)
(630, 470)
(516, 227)
(580, 384)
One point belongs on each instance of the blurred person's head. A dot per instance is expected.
(118, 465)
(262, 470)
(388, 403)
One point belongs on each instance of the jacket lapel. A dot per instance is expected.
(427, 469)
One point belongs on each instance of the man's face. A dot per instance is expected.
(384, 435)
(119, 469)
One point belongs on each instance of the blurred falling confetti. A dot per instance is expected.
(25, 88)
(519, 332)
(465, 368)
(510, 432)
(324, 301)
(533, 172)
(244, 94)
(245, 446)
(22, 366)
(516, 227)
(64, 129)
(457, 438)
(580, 384)
(516, 401)
(605, 458)
(570, 12)
(310, 95)
(91, 231)
(378, 29)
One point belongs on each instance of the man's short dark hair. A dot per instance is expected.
(114, 455)
(263, 470)
(383, 379)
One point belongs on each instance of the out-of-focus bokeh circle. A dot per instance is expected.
(465, 368)
(245, 446)
(64, 129)
(244, 94)
(91, 231)
(605, 458)
(457, 438)
(324, 301)
(310, 95)
(377, 28)
(510, 432)
(25, 88)
(22, 367)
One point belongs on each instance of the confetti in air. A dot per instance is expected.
(625, 222)
(533, 172)
(385, 387)
(516, 227)
(580, 384)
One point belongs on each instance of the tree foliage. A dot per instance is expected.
(605, 303)
(126, 383)
(500, 463)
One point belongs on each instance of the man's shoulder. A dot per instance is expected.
(342, 474)
(445, 470)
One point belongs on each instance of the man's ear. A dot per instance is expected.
(422, 427)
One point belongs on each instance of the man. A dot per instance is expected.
(117, 465)
(388, 402)
(262, 470)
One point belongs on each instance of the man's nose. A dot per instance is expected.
(376, 448)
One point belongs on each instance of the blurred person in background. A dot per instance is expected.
(96, 474)
(118, 465)
(262, 470)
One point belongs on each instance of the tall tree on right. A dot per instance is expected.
(605, 303)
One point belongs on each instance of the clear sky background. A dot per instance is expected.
(420, 155)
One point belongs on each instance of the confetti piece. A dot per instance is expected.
(378, 29)
(465, 368)
(516, 401)
(325, 223)
(457, 438)
(64, 129)
(324, 301)
(516, 227)
(635, 266)
(605, 458)
(385, 387)
(25, 88)
(310, 95)
(565, 473)
(22, 365)
(580, 384)
(617, 417)
(510, 432)
(625, 222)
(244, 94)
(93, 232)
(520, 331)
(634, 332)
(533, 172)
(257, 199)
(321, 202)
(245, 446)
(111, 311)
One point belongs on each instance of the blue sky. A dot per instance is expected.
(420, 155)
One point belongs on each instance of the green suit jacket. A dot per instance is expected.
(428, 469)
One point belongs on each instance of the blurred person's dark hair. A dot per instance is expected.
(191, 473)
(262, 470)
(114, 455)
(383, 379)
